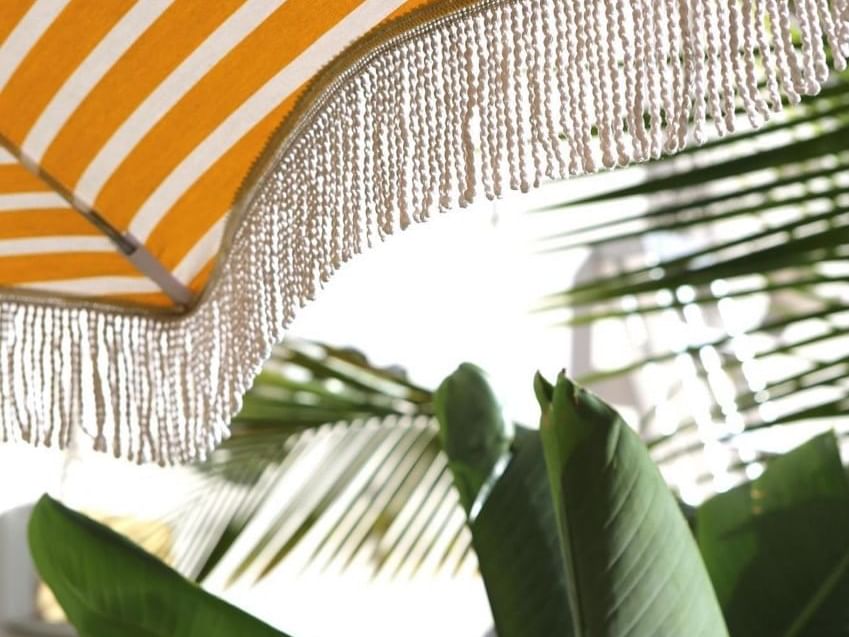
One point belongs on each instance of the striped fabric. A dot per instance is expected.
(149, 113)
(143, 126)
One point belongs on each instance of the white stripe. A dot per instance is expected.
(6, 157)
(48, 245)
(260, 104)
(181, 80)
(108, 51)
(31, 201)
(95, 286)
(201, 253)
(26, 33)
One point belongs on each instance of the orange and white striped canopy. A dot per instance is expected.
(178, 177)
(148, 114)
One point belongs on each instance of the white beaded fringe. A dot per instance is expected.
(502, 94)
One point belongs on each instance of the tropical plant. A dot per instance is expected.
(731, 257)
(769, 555)
(725, 270)
(108, 586)
(756, 221)
(311, 402)
(594, 545)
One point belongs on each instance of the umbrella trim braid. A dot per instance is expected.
(464, 100)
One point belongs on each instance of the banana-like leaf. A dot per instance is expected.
(499, 471)
(108, 586)
(777, 548)
(474, 433)
(515, 538)
(632, 564)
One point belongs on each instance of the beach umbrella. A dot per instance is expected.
(178, 177)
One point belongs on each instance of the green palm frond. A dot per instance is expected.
(372, 495)
(306, 384)
(726, 267)
(334, 464)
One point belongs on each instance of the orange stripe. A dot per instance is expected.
(210, 197)
(406, 8)
(200, 280)
(13, 11)
(203, 205)
(16, 178)
(44, 223)
(163, 47)
(151, 299)
(58, 53)
(226, 87)
(65, 265)
(183, 27)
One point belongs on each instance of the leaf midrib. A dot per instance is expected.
(819, 596)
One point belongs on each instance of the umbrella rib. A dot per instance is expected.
(130, 247)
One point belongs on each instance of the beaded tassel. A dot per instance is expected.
(504, 94)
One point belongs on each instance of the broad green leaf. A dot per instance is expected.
(108, 586)
(474, 433)
(777, 548)
(514, 530)
(632, 564)
(515, 538)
